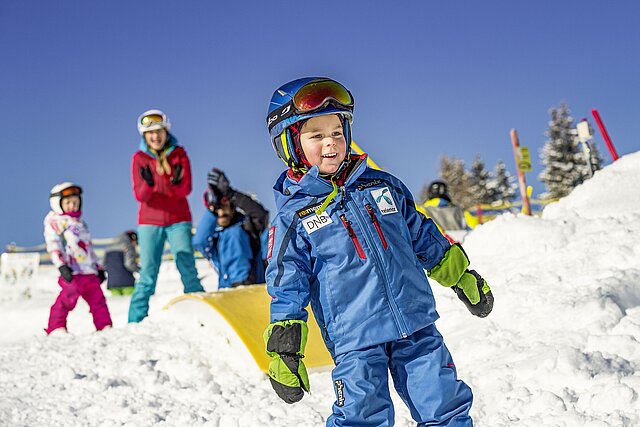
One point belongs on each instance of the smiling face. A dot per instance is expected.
(225, 214)
(323, 142)
(70, 204)
(156, 138)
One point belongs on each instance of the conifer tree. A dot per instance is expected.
(502, 186)
(453, 172)
(478, 182)
(565, 164)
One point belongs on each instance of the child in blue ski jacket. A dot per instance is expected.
(229, 233)
(349, 241)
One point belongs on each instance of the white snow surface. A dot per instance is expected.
(561, 347)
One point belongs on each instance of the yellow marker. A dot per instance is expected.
(529, 191)
(359, 150)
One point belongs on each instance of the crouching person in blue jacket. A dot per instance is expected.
(229, 233)
(348, 240)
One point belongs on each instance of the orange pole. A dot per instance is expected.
(526, 207)
(479, 213)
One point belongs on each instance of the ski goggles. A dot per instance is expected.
(151, 119)
(313, 97)
(69, 191)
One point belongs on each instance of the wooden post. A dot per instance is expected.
(479, 213)
(526, 207)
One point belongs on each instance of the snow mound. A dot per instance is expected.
(563, 344)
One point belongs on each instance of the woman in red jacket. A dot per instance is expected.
(161, 175)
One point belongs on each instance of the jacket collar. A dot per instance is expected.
(312, 184)
(172, 143)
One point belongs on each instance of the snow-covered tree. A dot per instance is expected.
(566, 166)
(502, 185)
(453, 172)
(478, 182)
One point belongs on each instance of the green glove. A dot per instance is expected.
(285, 343)
(475, 293)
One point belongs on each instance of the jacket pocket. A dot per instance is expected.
(352, 236)
(376, 223)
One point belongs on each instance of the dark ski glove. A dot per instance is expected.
(177, 174)
(66, 273)
(147, 175)
(285, 343)
(101, 275)
(218, 180)
(475, 293)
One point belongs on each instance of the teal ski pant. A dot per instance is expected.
(151, 239)
(423, 375)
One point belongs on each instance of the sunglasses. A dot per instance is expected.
(312, 97)
(67, 192)
(151, 119)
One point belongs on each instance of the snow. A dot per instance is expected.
(561, 347)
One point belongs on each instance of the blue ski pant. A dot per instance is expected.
(151, 239)
(423, 374)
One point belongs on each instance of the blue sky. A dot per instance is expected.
(429, 78)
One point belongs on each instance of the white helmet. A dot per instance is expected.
(152, 120)
(60, 191)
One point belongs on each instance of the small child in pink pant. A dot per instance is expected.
(69, 245)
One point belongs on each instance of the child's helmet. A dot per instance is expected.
(152, 120)
(132, 235)
(302, 99)
(438, 189)
(60, 191)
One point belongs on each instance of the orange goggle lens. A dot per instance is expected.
(151, 119)
(316, 94)
(71, 191)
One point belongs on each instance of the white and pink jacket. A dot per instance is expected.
(69, 242)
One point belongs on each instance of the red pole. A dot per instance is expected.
(605, 135)
(526, 207)
(479, 213)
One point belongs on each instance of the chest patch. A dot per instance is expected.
(313, 223)
(384, 200)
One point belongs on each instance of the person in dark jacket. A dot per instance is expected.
(120, 262)
(230, 233)
(161, 174)
(440, 208)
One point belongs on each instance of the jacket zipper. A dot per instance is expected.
(352, 235)
(402, 327)
(375, 222)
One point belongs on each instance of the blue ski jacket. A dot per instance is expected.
(360, 263)
(228, 249)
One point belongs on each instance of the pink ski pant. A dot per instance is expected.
(86, 286)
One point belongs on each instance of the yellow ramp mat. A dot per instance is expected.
(246, 310)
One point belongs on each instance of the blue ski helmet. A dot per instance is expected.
(300, 100)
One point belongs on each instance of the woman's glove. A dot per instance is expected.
(176, 178)
(147, 175)
(285, 342)
(66, 273)
(475, 293)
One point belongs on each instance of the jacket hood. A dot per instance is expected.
(311, 183)
(172, 142)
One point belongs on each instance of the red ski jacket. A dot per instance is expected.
(164, 203)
